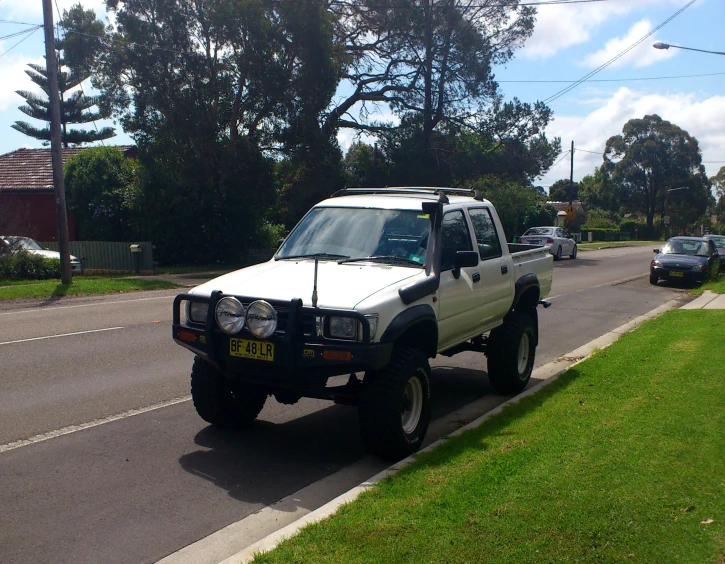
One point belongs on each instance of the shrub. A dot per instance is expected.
(25, 266)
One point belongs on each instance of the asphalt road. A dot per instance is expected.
(145, 484)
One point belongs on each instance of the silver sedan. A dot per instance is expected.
(560, 241)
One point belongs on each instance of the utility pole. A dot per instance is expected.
(55, 146)
(571, 175)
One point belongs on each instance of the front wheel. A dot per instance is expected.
(653, 279)
(395, 405)
(573, 253)
(225, 404)
(511, 352)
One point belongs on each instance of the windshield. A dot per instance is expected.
(539, 231)
(24, 243)
(719, 242)
(339, 233)
(685, 247)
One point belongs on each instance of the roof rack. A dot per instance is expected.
(432, 190)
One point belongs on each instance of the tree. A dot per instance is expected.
(559, 191)
(651, 156)
(102, 192)
(718, 186)
(75, 107)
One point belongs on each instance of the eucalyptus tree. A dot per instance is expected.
(652, 156)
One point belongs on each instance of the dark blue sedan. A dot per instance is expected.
(692, 259)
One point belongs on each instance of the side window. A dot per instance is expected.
(456, 237)
(489, 245)
(560, 233)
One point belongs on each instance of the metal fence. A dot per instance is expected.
(107, 255)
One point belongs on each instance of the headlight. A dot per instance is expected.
(700, 267)
(229, 315)
(261, 319)
(196, 312)
(343, 327)
(655, 263)
(350, 329)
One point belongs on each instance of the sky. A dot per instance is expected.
(569, 41)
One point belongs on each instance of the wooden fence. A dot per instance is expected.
(107, 255)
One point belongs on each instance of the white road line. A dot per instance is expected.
(62, 335)
(53, 308)
(94, 423)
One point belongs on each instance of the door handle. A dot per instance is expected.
(504, 269)
(476, 277)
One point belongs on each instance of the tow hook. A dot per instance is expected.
(545, 303)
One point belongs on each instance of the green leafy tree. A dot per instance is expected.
(74, 66)
(102, 194)
(559, 191)
(718, 186)
(651, 156)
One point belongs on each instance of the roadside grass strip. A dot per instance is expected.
(615, 244)
(622, 459)
(82, 286)
(717, 286)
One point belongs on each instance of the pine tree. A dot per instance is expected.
(74, 108)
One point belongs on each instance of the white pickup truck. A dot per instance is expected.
(374, 282)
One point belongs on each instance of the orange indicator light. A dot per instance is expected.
(337, 355)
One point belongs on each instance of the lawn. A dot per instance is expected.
(82, 285)
(717, 286)
(622, 459)
(614, 244)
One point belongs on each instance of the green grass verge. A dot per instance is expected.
(622, 459)
(615, 244)
(82, 286)
(718, 286)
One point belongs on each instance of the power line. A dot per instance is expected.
(616, 79)
(29, 32)
(19, 23)
(561, 159)
(618, 56)
(592, 152)
(19, 33)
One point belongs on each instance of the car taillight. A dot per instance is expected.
(549, 240)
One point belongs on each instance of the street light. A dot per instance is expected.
(666, 219)
(661, 45)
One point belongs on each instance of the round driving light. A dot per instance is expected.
(229, 315)
(261, 319)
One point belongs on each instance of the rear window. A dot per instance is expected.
(539, 231)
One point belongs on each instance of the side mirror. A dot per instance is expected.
(464, 259)
(655, 250)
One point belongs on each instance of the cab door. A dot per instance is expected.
(494, 290)
(458, 312)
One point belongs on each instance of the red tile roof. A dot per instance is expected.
(30, 170)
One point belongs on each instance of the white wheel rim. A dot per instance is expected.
(412, 405)
(523, 353)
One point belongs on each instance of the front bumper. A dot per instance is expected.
(664, 273)
(298, 348)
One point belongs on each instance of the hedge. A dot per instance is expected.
(25, 266)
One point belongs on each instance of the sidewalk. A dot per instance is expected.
(708, 300)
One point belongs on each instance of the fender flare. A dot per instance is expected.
(414, 318)
(523, 287)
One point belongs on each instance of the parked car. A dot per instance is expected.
(719, 241)
(693, 259)
(28, 245)
(560, 241)
(374, 281)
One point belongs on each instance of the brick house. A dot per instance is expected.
(27, 200)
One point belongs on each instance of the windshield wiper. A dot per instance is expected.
(321, 256)
(392, 258)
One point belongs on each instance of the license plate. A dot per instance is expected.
(676, 274)
(256, 350)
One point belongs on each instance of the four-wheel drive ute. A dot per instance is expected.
(370, 284)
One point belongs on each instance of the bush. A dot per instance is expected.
(603, 234)
(24, 266)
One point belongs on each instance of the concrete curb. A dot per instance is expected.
(547, 373)
(703, 301)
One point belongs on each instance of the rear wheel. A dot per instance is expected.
(557, 256)
(511, 353)
(225, 404)
(395, 405)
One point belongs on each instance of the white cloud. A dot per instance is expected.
(701, 118)
(561, 26)
(12, 69)
(23, 10)
(641, 56)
